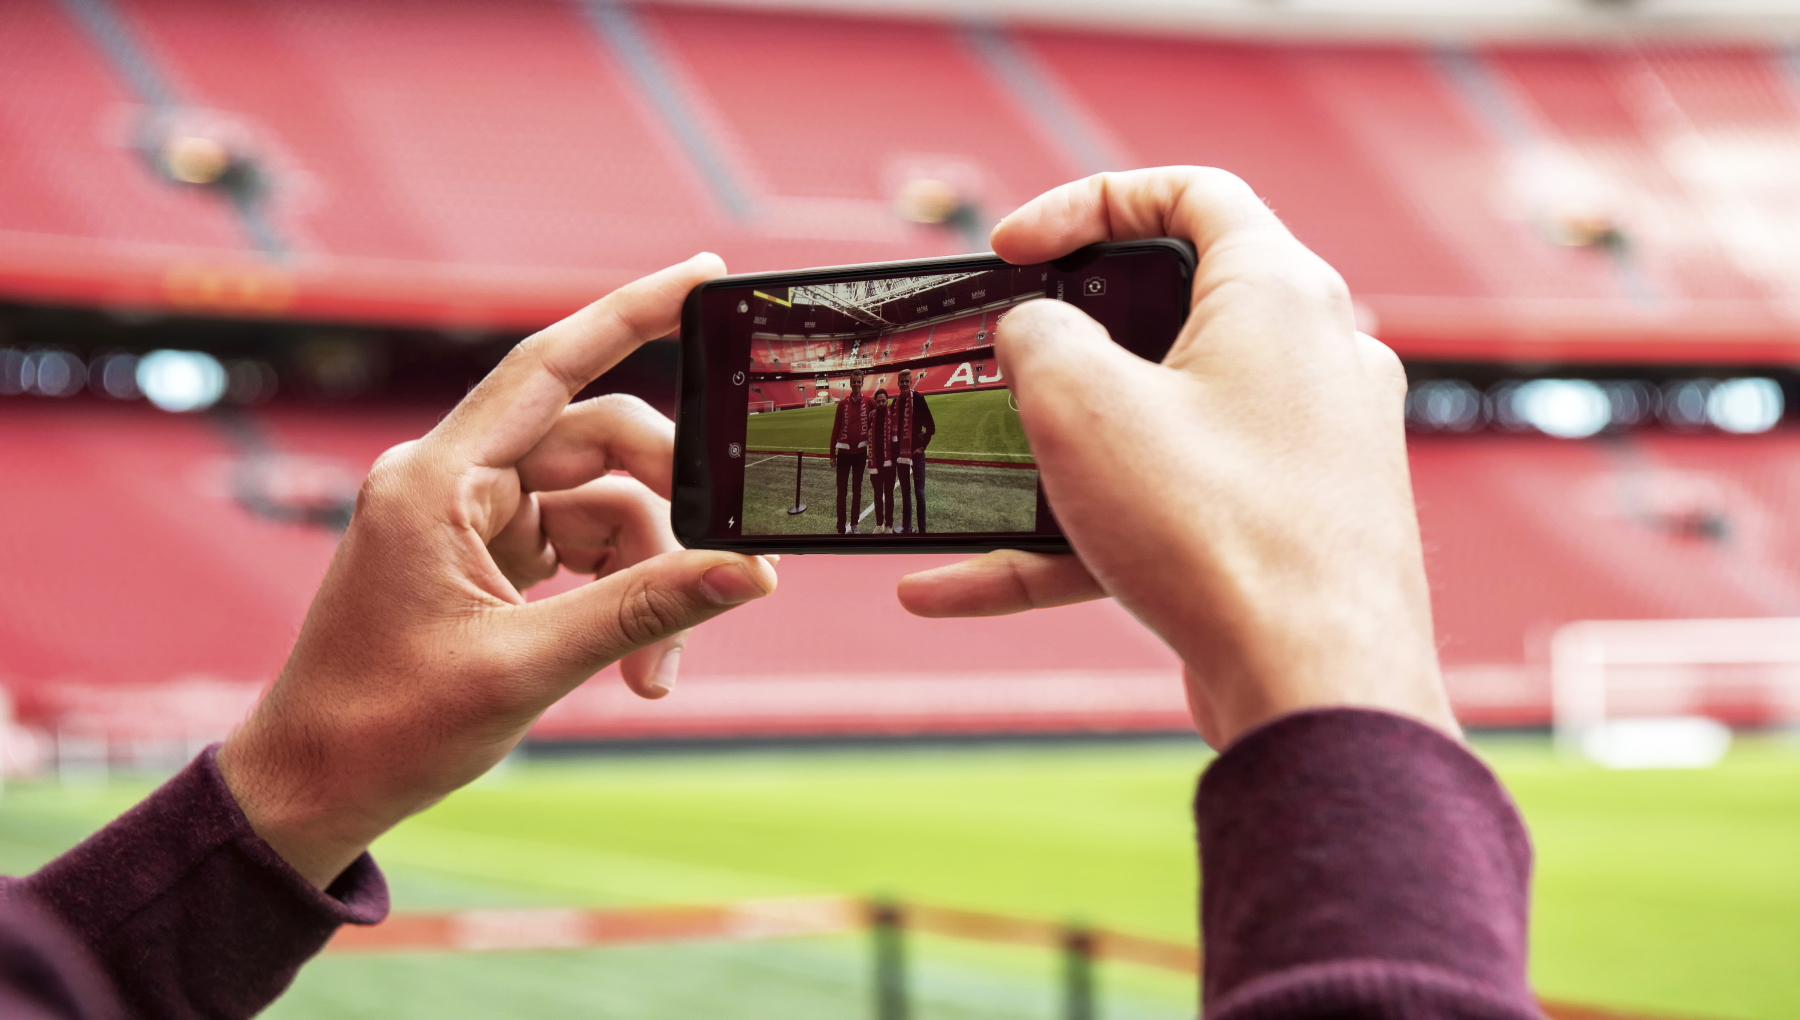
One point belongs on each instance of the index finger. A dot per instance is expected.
(508, 412)
(1202, 204)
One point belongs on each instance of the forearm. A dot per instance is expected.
(1356, 862)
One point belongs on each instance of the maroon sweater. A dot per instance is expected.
(1354, 865)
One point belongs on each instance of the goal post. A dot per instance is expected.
(1663, 693)
(761, 406)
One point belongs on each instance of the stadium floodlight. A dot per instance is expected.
(929, 201)
(115, 376)
(1632, 402)
(55, 373)
(1450, 404)
(181, 380)
(1684, 402)
(1564, 408)
(196, 159)
(1745, 406)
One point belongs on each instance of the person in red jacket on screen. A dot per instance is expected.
(1356, 860)
(913, 429)
(850, 452)
(882, 421)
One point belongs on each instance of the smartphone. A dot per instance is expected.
(860, 409)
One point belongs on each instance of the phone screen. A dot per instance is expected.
(871, 408)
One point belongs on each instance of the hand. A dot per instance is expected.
(420, 663)
(1248, 499)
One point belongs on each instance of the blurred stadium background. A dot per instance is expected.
(246, 246)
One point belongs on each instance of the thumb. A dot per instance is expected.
(1062, 365)
(572, 636)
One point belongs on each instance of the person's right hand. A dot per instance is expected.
(1248, 499)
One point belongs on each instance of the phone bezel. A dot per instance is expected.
(691, 482)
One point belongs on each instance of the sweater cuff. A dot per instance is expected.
(182, 902)
(152, 849)
(1347, 853)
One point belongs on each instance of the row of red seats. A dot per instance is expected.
(969, 333)
(136, 567)
(1437, 181)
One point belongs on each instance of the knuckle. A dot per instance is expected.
(1385, 368)
(386, 476)
(647, 614)
(1214, 178)
(1302, 280)
(621, 406)
(540, 349)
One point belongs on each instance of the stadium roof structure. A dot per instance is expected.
(1615, 199)
(862, 299)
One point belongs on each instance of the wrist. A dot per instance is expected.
(1232, 692)
(316, 834)
(1229, 716)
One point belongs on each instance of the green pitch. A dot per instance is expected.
(1673, 892)
(962, 497)
(959, 497)
(982, 425)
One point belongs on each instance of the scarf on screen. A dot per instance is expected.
(862, 418)
(904, 448)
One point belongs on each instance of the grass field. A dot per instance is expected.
(970, 426)
(1667, 891)
(961, 497)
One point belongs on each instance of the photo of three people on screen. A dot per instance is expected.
(885, 439)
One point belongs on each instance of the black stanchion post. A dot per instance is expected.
(887, 928)
(799, 465)
(1078, 973)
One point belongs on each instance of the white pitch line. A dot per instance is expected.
(974, 455)
(753, 463)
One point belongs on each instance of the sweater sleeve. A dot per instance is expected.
(1357, 864)
(188, 911)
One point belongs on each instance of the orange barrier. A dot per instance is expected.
(496, 930)
(536, 928)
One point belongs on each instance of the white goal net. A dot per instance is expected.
(760, 406)
(1666, 693)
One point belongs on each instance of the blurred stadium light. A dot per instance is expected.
(181, 380)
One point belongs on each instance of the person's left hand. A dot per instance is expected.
(420, 663)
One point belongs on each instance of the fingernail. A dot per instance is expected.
(772, 557)
(663, 679)
(729, 584)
